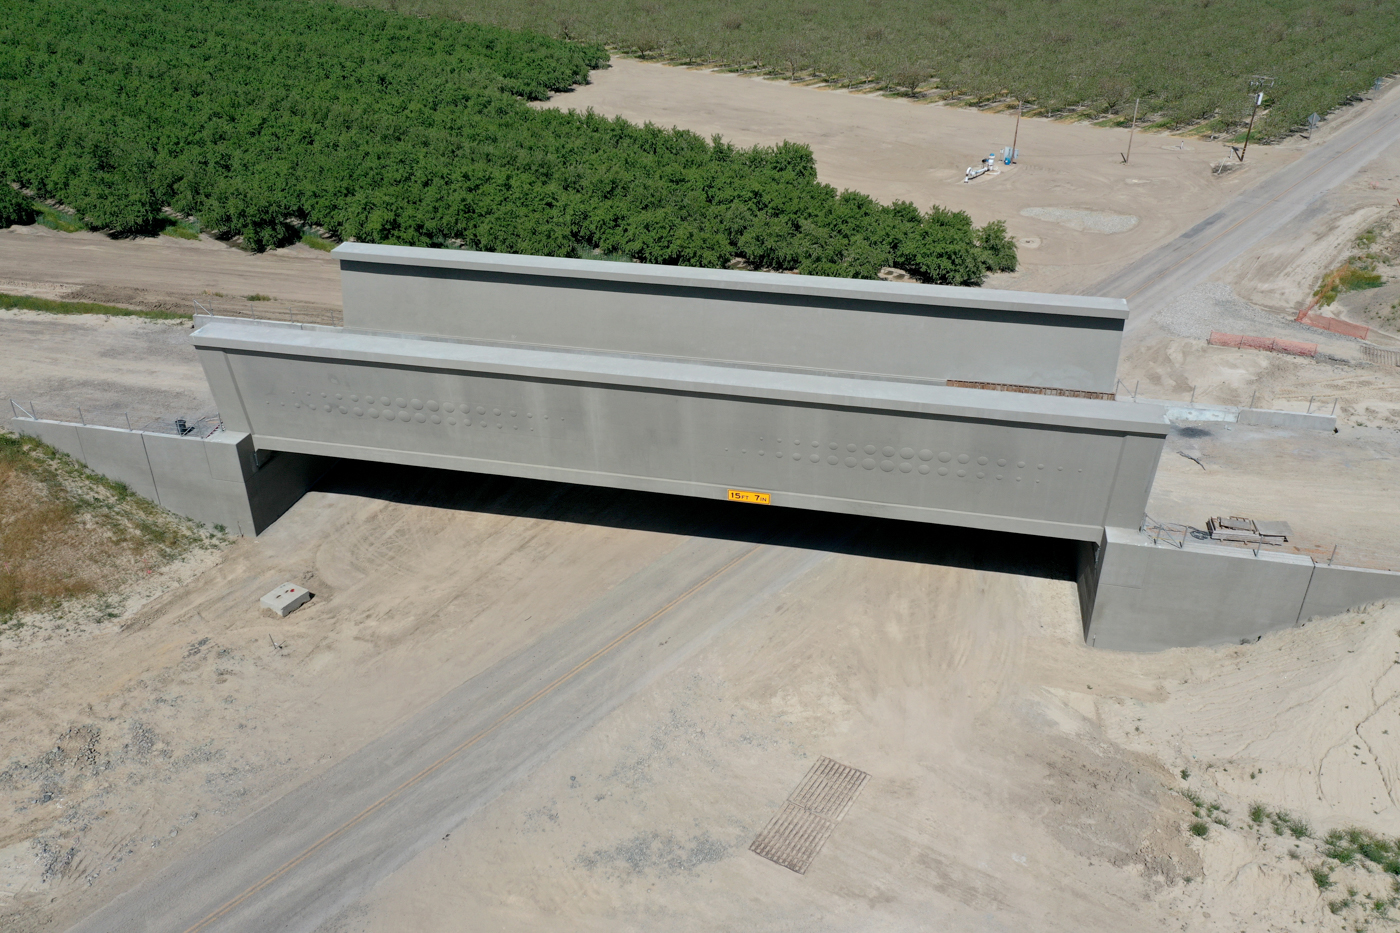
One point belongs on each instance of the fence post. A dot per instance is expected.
(1135, 388)
(1334, 554)
(1193, 395)
(1310, 401)
(1253, 397)
(80, 415)
(1334, 406)
(127, 415)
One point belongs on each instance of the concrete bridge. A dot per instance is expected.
(959, 407)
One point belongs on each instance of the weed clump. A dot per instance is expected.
(66, 532)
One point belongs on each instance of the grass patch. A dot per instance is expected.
(181, 229)
(50, 306)
(55, 219)
(258, 297)
(1200, 828)
(67, 532)
(316, 242)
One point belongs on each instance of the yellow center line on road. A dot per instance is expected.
(417, 778)
(1261, 207)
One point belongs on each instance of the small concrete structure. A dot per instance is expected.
(286, 599)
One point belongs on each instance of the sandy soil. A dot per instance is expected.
(169, 274)
(1077, 211)
(1019, 779)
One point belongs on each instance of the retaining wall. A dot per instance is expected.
(218, 480)
(1137, 595)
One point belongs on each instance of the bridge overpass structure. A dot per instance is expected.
(971, 408)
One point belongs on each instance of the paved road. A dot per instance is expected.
(1249, 218)
(294, 864)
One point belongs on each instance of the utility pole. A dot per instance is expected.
(1258, 81)
(1017, 134)
(1129, 154)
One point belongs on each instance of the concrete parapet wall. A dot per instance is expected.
(835, 325)
(1138, 595)
(219, 480)
(1286, 419)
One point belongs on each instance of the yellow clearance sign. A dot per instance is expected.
(755, 498)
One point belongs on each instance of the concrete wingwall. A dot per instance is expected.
(219, 480)
(900, 330)
(1141, 595)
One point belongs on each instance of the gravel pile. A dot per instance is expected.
(1214, 306)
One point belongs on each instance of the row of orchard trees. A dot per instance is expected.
(260, 116)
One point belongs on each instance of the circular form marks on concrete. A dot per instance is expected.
(448, 407)
(907, 453)
(417, 405)
(924, 468)
(796, 455)
(374, 412)
(887, 465)
(1001, 463)
(339, 397)
(981, 475)
(870, 448)
(1020, 464)
(944, 457)
(437, 420)
(495, 411)
(962, 472)
(888, 452)
(344, 410)
(833, 445)
(942, 471)
(404, 416)
(359, 412)
(906, 468)
(760, 453)
(850, 461)
(925, 454)
(963, 458)
(832, 460)
(981, 461)
(452, 421)
(1040, 466)
(432, 405)
(998, 476)
(354, 398)
(868, 463)
(467, 422)
(420, 417)
(815, 458)
(326, 407)
(401, 403)
(851, 448)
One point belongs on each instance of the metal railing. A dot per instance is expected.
(200, 427)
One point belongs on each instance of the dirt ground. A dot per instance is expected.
(1019, 780)
(1076, 210)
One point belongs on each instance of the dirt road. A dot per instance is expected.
(1247, 220)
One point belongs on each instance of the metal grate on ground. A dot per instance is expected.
(796, 834)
